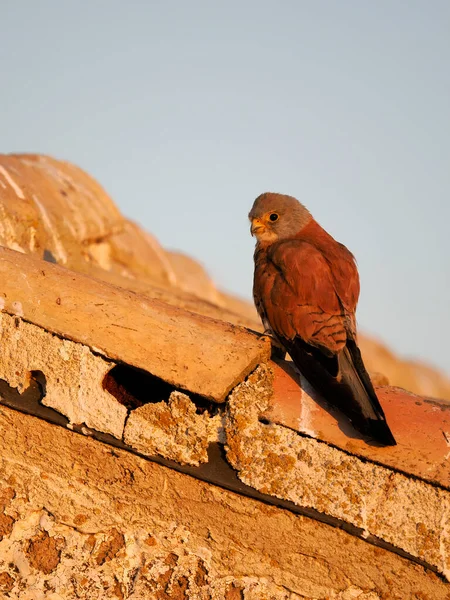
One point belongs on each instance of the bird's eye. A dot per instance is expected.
(273, 217)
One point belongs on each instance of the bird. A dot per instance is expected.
(306, 289)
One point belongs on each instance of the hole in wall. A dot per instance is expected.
(134, 387)
(41, 381)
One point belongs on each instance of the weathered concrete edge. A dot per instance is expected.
(217, 471)
(192, 352)
(277, 483)
(420, 425)
(102, 412)
(401, 509)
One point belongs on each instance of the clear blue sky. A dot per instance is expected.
(186, 110)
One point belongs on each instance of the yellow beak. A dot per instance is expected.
(257, 226)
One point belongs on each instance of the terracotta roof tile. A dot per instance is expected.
(421, 426)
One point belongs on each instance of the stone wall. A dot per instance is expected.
(83, 520)
(56, 211)
(151, 448)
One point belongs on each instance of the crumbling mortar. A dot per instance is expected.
(263, 391)
(80, 402)
(270, 500)
(62, 337)
(350, 453)
(249, 451)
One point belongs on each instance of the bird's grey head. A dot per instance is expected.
(276, 217)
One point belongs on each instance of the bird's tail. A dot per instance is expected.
(354, 376)
(344, 381)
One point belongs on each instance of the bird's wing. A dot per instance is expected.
(299, 291)
(310, 305)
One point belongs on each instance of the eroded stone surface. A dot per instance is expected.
(61, 562)
(93, 522)
(188, 351)
(73, 374)
(172, 429)
(420, 426)
(120, 526)
(403, 511)
(72, 378)
(56, 211)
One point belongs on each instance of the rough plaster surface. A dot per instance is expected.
(403, 511)
(173, 429)
(189, 351)
(41, 558)
(91, 522)
(73, 374)
(421, 426)
(94, 522)
(73, 386)
(406, 512)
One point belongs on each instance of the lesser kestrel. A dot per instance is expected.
(306, 288)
